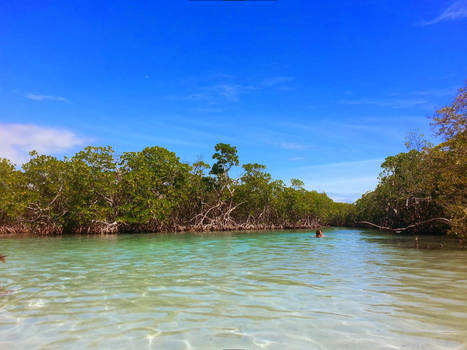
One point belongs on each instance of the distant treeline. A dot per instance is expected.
(423, 190)
(96, 192)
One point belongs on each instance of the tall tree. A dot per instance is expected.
(425, 188)
(11, 193)
(45, 187)
(447, 162)
(92, 190)
(152, 185)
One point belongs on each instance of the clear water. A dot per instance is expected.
(353, 289)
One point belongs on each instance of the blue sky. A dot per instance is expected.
(321, 91)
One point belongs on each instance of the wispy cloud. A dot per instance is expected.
(349, 164)
(207, 109)
(226, 91)
(219, 93)
(274, 81)
(421, 99)
(456, 11)
(436, 92)
(292, 146)
(296, 159)
(345, 189)
(294, 125)
(37, 97)
(16, 140)
(343, 181)
(391, 103)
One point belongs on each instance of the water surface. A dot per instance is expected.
(353, 289)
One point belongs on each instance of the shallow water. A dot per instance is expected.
(353, 289)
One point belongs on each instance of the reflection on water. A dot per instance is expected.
(353, 289)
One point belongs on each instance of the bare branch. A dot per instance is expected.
(401, 229)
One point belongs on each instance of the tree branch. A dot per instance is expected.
(401, 229)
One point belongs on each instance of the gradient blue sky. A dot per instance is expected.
(321, 91)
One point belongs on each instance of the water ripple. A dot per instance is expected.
(354, 289)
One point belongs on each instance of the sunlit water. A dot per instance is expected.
(353, 289)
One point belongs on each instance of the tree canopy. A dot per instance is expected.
(152, 190)
(421, 190)
(425, 188)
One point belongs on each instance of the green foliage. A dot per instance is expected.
(11, 192)
(416, 142)
(254, 192)
(428, 184)
(152, 185)
(152, 190)
(342, 214)
(44, 187)
(226, 157)
(92, 187)
(403, 195)
(424, 188)
(447, 162)
(451, 121)
(297, 184)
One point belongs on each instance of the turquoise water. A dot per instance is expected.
(353, 289)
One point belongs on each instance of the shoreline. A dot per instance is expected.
(21, 231)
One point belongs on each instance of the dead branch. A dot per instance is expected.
(402, 229)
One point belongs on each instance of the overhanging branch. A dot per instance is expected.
(402, 229)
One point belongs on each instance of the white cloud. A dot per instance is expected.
(273, 81)
(420, 99)
(345, 165)
(456, 11)
(292, 146)
(342, 181)
(16, 140)
(392, 103)
(208, 109)
(436, 92)
(228, 92)
(345, 189)
(295, 159)
(37, 97)
(219, 93)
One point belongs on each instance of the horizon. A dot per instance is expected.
(319, 92)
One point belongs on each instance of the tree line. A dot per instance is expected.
(152, 190)
(95, 191)
(425, 188)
